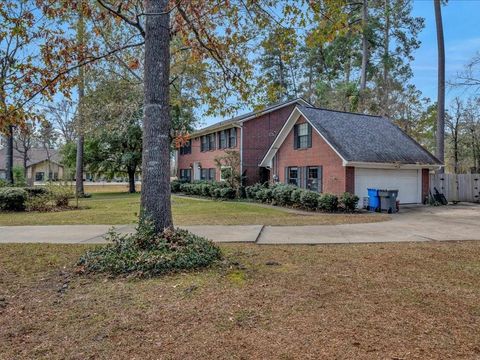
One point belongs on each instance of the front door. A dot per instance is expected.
(196, 171)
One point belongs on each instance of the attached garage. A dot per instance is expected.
(408, 183)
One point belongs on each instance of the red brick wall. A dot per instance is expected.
(320, 154)
(206, 158)
(258, 136)
(425, 183)
(350, 179)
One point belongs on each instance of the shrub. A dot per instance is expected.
(282, 194)
(328, 202)
(251, 191)
(36, 191)
(4, 183)
(12, 199)
(296, 195)
(217, 193)
(145, 254)
(175, 186)
(228, 193)
(309, 200)
(349, 201)
(38, 202)
(59, 194)
(264, 195)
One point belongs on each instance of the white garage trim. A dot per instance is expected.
(391, 165)
(408, 182)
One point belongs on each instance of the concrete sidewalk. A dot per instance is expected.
(459, 222)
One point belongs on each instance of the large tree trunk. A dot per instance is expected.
(363, 74)
(155, 201)
(386, 55)
(131, 181)
(440, 139)
(80, 191)
(9, 155)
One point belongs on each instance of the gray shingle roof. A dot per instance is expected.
(35, 156)
(237, 119)
(367, 138)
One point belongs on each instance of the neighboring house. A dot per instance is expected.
(250, 134)
(41, 165)
(334, 151)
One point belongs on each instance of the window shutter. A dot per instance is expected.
(309, 141)
(295, 137)
(320, 179)
(304, 177)
(285, 181)
(212, 174)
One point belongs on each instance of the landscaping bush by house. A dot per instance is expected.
(328, 202)
(144, 254)
(349, 202)
(12, 199)
(278, 194)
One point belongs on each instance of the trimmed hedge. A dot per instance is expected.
(278, 194)
(12, 199)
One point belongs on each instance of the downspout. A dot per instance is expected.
(241, 151)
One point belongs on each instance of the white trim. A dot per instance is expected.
(241, 150)
(371, 165)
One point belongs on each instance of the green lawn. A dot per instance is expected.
(364, 301)
(123, 208)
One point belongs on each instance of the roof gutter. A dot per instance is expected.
(373, 165)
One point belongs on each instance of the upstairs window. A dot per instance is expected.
(302, 136)
(203, 144)
(232, 138)
(211, 142)
(207, 142)
(222, 139)
(186, 148)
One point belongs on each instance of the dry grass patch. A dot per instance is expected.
(370, 301)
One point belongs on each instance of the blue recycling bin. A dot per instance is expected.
(373, 200)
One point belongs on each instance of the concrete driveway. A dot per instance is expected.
(415, 223)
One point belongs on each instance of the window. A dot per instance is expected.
(186, 148)
(211, 145)
(292, 176)
(302, 136)
(222, 139)
(232, 139)
(207, 142)
(207, 174)
(313, 178)
(39, 176)
(186, 174)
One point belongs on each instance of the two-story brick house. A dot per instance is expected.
(250, 134)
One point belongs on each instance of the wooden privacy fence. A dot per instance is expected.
(457, 187)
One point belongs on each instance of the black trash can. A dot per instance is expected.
(388, 200)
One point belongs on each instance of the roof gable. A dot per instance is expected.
(358, 138)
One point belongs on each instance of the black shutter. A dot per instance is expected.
(212, 174)
(295, 137)
(309, 141)
(286, 176)
(304, 177)
(320, 179)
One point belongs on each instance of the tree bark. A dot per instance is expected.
(155, 200)
(363, 75)
(80, 120)
(9, 155)
(386, 54)
(131, 181)
(440, 138)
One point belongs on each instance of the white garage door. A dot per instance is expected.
(407, 182)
